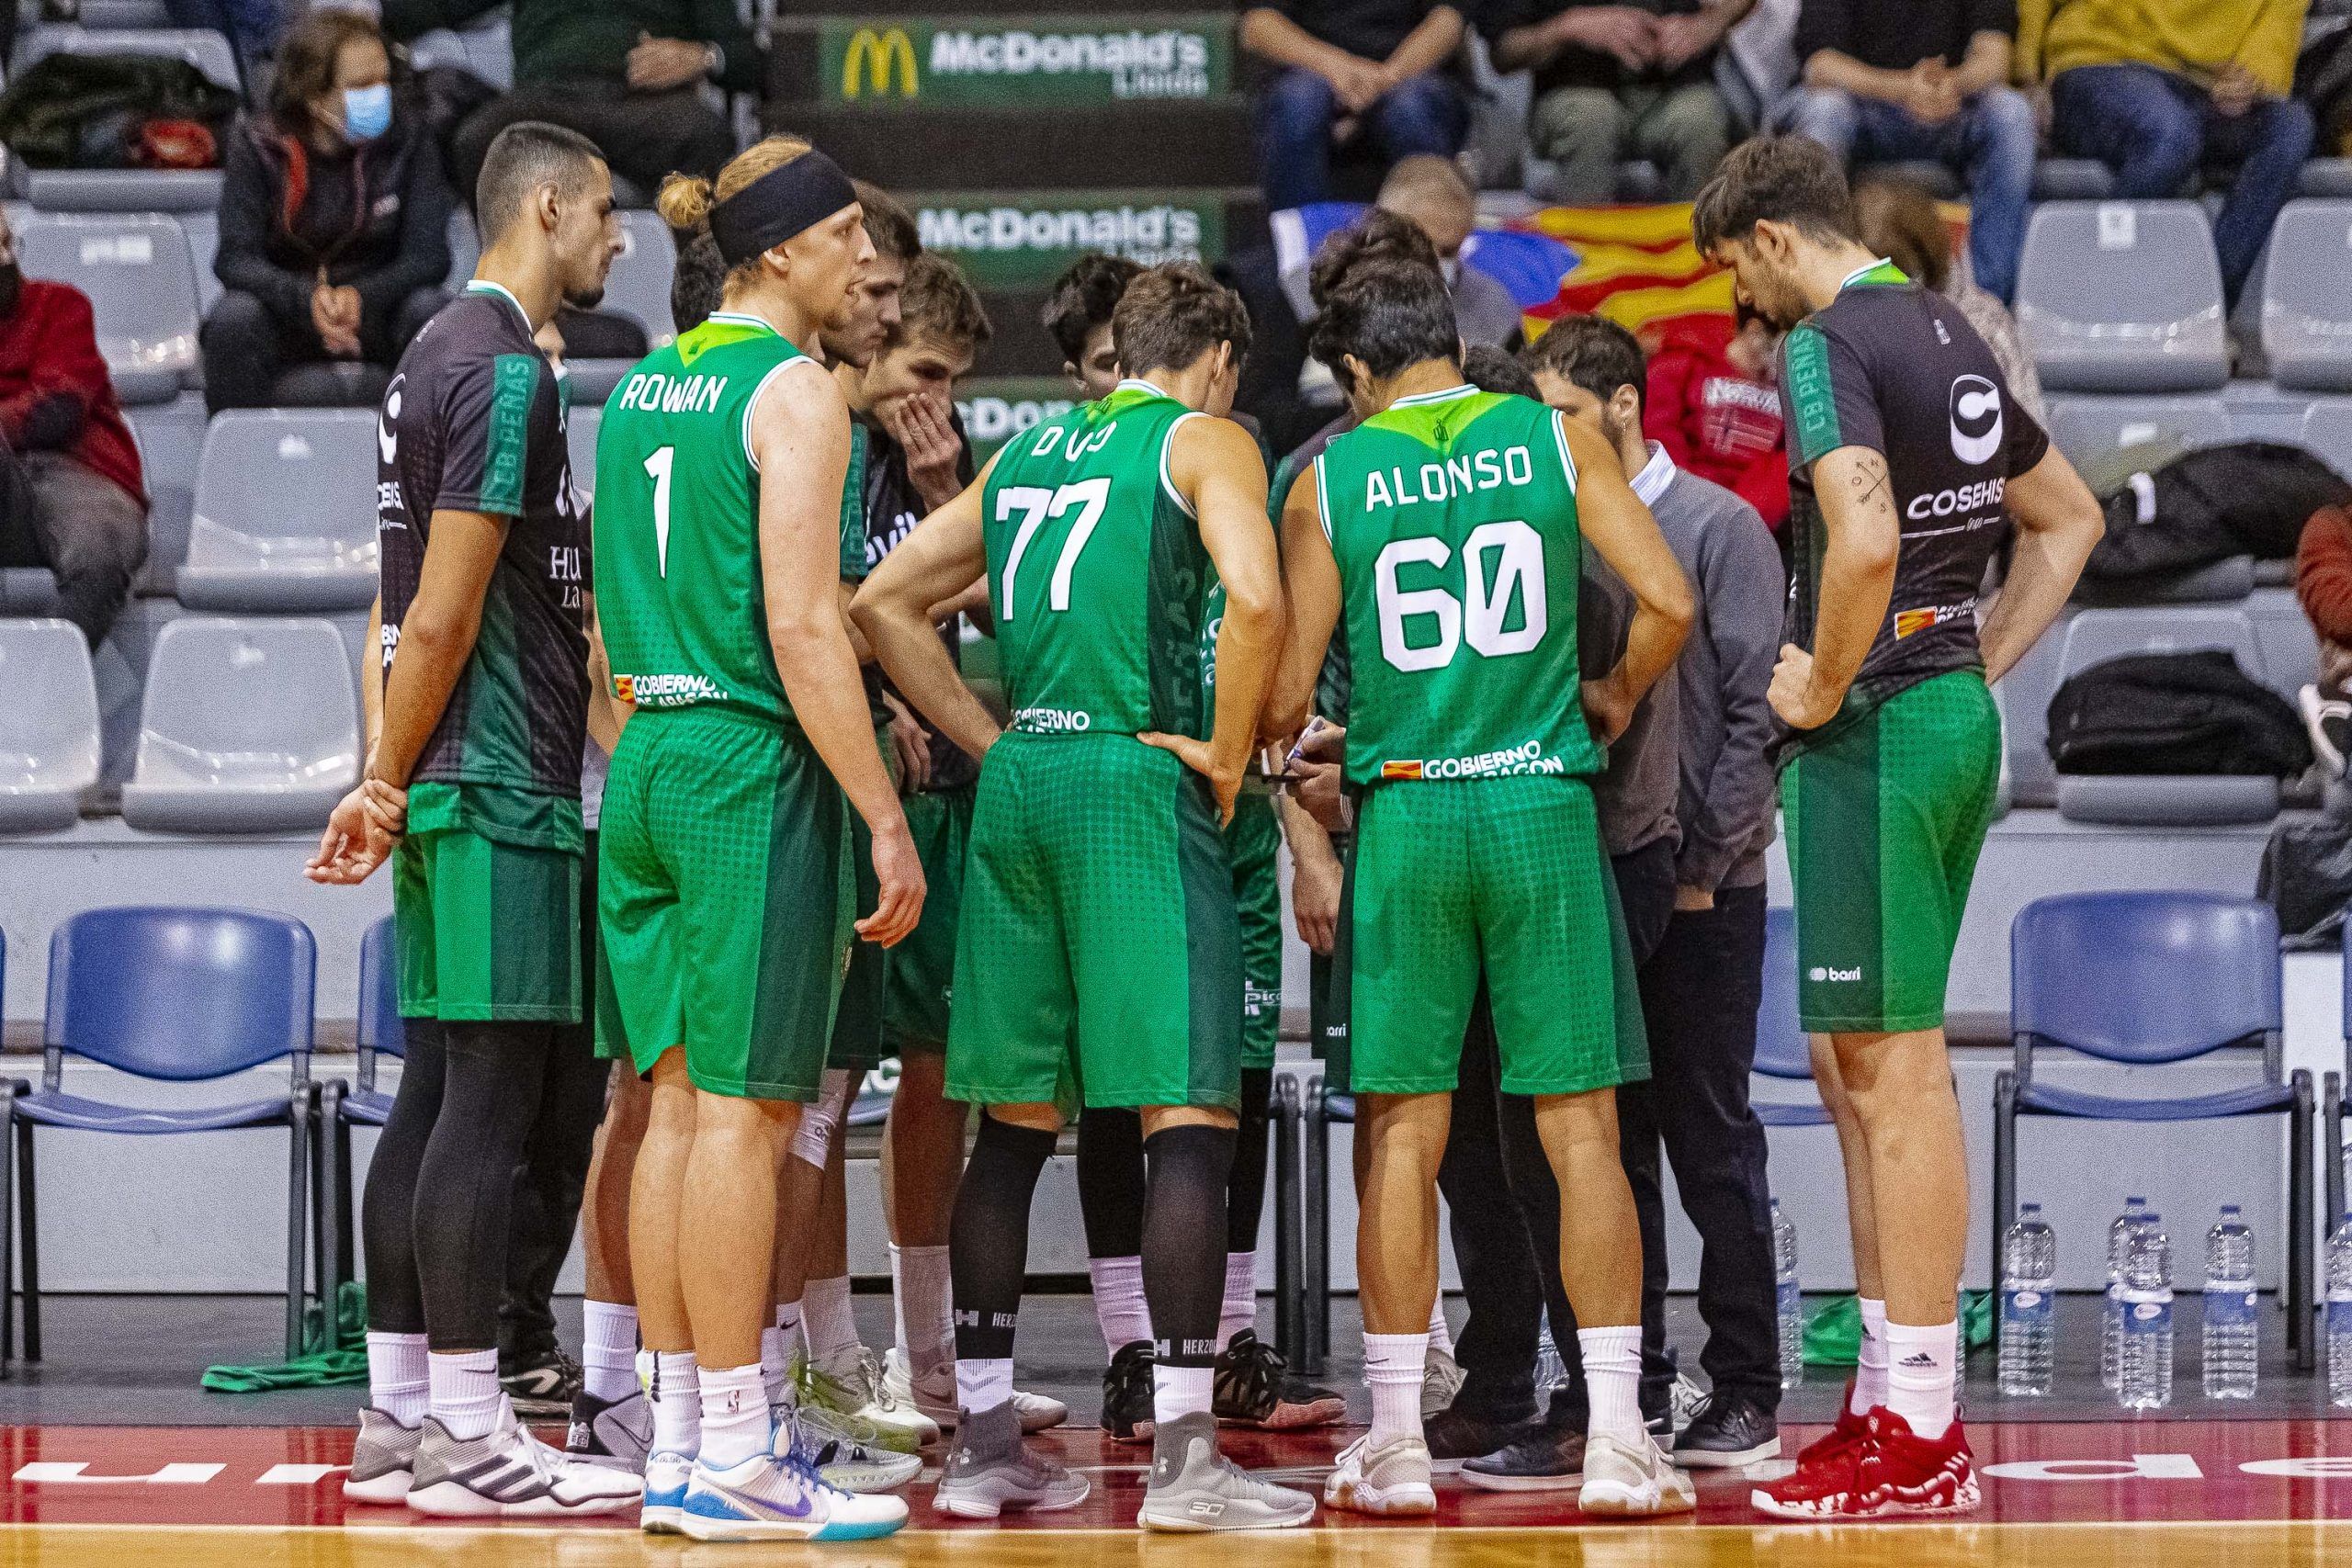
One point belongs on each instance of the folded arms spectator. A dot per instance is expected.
(333, 222)
(1895, 81)
(1616, 82)
(1349, 69)
(69, 487)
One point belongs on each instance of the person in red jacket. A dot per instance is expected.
(1711, 404)
(71, 496)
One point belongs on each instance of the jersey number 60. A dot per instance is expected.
(1479, 615)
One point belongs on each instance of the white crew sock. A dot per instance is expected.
(1612, 1381)
(466, 1395)
(1240, 1309)
(982, 1385)
(827, 1321)
(674, 1384)
(398, 1384)
(1870, 1364)
(922, 1289)
(1119, 1303)
(1921, 1365)
(778, 1345)
(734, 1416)
(1178, 1391)
(1441, 1331)
(1393, 1365)
(608, 1348)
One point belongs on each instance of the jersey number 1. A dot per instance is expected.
(1477, 617)
(659, 467)
(1035, 503)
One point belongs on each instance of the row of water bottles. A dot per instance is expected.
(2136, 1332)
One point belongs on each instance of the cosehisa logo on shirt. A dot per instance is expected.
(1976, 419)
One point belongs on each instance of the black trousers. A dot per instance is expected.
(90, 532)
(646, 136)
(248, 348)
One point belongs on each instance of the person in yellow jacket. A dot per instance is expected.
(2159, 89)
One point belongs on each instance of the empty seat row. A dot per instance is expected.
(2088, 426)
(247, 726)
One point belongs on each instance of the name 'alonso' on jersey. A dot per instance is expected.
(679, 591)
(1896, 368)
(1453, 517)
(1096, 572)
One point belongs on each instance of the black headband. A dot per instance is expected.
(779, 204)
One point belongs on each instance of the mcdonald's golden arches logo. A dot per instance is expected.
(876, 52)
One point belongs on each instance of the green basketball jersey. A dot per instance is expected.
(1096, 572)
(1453, 516)
(678, 585)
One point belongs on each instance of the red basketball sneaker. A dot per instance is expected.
(1890, 1474)
(1848, 1433)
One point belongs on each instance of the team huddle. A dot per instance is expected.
(817, 846)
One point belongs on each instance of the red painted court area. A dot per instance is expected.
(2228, 1471)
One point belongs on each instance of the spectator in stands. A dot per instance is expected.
(1898, 221)
(1892, 81)
(334, 221)
(2160, 89)
(1078, 315)
(71, 497)
(1430, 193)
(1620, 81)
(252, 27)
(1346, 70)
(1713, 403)
(627, 75)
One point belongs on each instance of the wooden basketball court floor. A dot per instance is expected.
(2111, 1493)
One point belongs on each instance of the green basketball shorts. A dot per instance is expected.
(726, 895)
(1327, 980)
(1504, 876)
(922, 967)
(488, 931)
(1885, 819)
(1098, 928)
(856, 1042)
(1253, 840)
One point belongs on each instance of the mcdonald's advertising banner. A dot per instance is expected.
(995, 62)
(998, 408)
(1022, 239)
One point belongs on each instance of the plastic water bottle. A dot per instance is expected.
(2232, 1331)
(2339, 1315)
(1792, 1300)
(2112, 1319)
(2143, 1375)
(2029, 1278)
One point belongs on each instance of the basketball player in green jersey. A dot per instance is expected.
(1099, 940)
(725, 895)
(1445, 531)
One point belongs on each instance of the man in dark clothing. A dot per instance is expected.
(1351, 68)
(624, 73)
(70, 497)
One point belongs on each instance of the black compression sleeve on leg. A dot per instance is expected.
(464, 1185)
(988, 1243)
(388, 1208)
(1111, 1181)
(1183, 1265)
(1244, 1189)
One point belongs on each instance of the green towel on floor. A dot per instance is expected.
(331, 1354)
(1833, 1330)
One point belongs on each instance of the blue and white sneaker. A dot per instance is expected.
(666, 1475)
(768, 1498)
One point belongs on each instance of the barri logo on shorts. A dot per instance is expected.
(667, 691)
(1821, 974)
(1052, 721)
(1976, 419)
(1526, 757)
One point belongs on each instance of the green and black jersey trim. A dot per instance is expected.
(1817, 433)
(506, 453)
(861, 451)
(497, 709)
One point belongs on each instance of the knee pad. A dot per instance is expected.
(813, 1140)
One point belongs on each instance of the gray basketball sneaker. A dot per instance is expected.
(1194, 1488)
(511, 1474)
(991, 1469)
(614, 1433)
(382, 1461)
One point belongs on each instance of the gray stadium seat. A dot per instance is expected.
(285, 512)
(2324, 177)
(638, 285)
(2327, 433)
(208, 51)
(2085, 427)
(203, 231)
(128, 190)
(100, 15)
(580, 428)
(124, 190)
(464, 248)
(2122, 297)
(2094, 636)
(248, 726)
(487, 50)
(49, 728)
(28, 591)
(2072, 179)
(136, 271)
(2307, 298)
(171, 449)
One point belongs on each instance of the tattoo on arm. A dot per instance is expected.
(1870, 479)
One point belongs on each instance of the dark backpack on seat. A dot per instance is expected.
(2173, 713)
(89, 111)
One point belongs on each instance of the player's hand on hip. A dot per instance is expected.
(1792, 694)
(897, 871)
(1194, 754)
(1606, 710)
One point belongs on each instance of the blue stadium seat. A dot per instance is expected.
(2147, 979)
(2087, 427)
(49, 725)
(2095, 636)
(2122, 297)
(135, 269)
(382, 1033)
(2307, 298)
(1782, 1048)
(247, 727)
(285, 512)
(176, 996)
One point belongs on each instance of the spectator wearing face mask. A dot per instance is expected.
(333, 225)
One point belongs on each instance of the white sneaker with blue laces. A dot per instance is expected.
(772, 1497)
(666, 1475)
